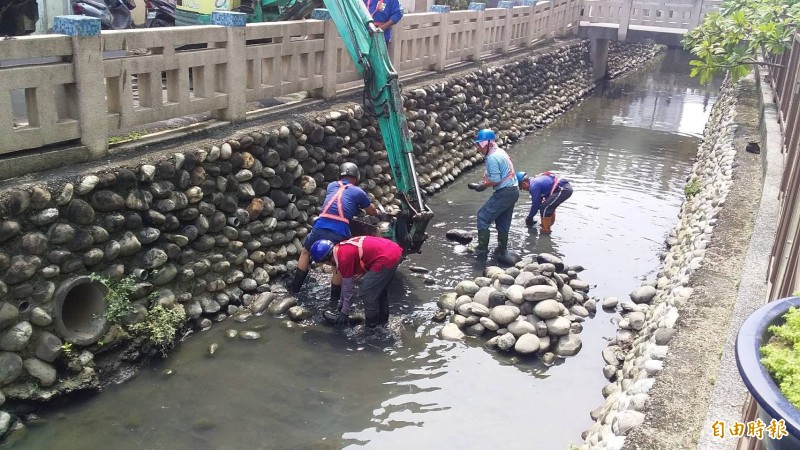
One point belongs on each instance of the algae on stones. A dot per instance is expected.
(781, 356)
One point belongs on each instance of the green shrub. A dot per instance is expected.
(455, 5)
(692, 189)
(160, 325)
(118, 297)
(781, 356)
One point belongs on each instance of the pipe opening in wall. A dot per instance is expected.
(24, 306)
(80, 308)
(141, 274)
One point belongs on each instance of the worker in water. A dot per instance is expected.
(385, 13)
(547, 192)
(499, 208)
(376, 259)
(341, 203)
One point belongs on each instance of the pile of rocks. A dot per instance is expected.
(533, 308)
(209, 229)
(626, 56)
(637, 352)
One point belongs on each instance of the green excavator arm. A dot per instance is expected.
(367, 46)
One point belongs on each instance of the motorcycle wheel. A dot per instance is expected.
(158, 23)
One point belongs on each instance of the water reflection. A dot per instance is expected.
(627, 151)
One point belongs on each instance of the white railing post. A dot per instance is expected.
(508, 5)
(235, 75)
(480, 8)
(531, 22)
(444, 36)
(508, 27)
(622, 33)
(90, 97)
(329, 53)
(548, 19)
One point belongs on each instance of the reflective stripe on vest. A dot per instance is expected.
(511, 173)
(337, 197)
(556, 180)
(359, 243)
(555, 184)
(377, 9)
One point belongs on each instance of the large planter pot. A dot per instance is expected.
(771, 403)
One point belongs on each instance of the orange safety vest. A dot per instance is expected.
(377, 8)
(359, 243)
(555, 180)
(337, 197)
(511, 172)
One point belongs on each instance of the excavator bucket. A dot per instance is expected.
(366, 45)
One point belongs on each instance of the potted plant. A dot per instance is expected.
(763, 346)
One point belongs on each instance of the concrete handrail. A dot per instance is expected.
(151, 75)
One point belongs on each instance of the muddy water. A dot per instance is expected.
(627, 151)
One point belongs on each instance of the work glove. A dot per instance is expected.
(336, 318)
(477, 186)
(529, 221)
(384, 217)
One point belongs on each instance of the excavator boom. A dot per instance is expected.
(367, 47)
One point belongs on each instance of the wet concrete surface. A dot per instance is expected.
(627, 151)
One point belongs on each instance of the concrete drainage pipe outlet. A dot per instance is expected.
(80, 308)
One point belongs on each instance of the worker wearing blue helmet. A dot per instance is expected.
(342, 201)
(547, 191)
(499, 208)
(374, 260)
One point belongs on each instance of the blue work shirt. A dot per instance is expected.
(540, 189)
(352, 199)
(382, 11)
(498, 167)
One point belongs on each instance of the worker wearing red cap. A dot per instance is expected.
(374, 258)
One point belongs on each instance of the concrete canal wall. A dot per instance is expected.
(201, 234)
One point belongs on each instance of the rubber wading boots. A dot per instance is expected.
(547, 223)
(482, 250)
(297, 280)
(336, 294)
(502, 242)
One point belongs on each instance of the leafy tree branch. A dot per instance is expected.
(730, 41)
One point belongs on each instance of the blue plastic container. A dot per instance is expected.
(771, 403)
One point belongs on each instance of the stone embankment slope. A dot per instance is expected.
(664, 359)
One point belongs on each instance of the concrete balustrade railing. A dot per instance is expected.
(680, 14)
(87, 87)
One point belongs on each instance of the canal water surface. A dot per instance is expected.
(627, 150)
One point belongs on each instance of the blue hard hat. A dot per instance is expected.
(520, 176)
(485, 135)
(321, 250)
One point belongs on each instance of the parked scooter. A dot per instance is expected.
(113, 14)
(160, 13)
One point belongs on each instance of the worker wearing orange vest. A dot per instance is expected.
(547, 192)
(385, 14)
(500, 207)
(341, 203)
(374, 258)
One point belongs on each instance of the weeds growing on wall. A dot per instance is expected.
(692, 189)
(160, 325)
(132, 136)
(781, 357)
(118, 298)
